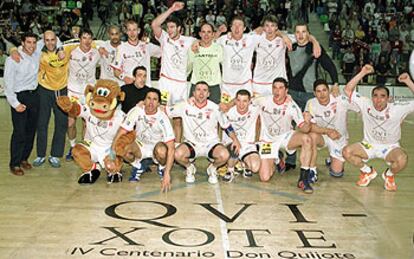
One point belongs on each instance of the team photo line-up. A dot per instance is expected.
(232, 114)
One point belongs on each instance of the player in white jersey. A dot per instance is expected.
(277, 112)
(107, 72)
(173, 75)
(243, 117)
(200, 122)
(382, 130)
(134, 53)
(153, 138)
(329, 126)
(82, 72)
(238, 49)
(270, 58)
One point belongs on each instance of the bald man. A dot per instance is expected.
(52, 77)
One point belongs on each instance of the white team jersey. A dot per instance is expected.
(270, 60)
(150, 129)
(237, 57)
(107, 72)
(333, 115)
(382, 127)
(276, 119)
(200, 124)
(101, 132)
(244, 125)
(175, 56)
(82, 69)
(129, 56)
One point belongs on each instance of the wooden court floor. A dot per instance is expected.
(46, 214)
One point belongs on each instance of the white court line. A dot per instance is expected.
(223, 229)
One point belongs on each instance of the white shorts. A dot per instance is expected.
(147, 151)
(245, 149)
(270, 150)
(261, 89)
(229, 91)
(378, 150)
(334, 147)
(98, 153)
(172, 91)
(201, 150)
(76, 96)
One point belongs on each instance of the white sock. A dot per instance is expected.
(305, 167)
(72, 142)
(313, 169)
(389, 173)
(365, 169)
(136, 164)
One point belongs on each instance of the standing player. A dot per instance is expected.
(276, 115)
(111, 45)
(243, 117)
(205, 64)
(173, 75)
(200, 123)
(154, 138)
(134, 53)
(82, 71)
(329, 115)
(382, 130)
(270, 58)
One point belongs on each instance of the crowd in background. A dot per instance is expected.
(378, 32)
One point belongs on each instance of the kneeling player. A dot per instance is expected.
(153, 138)
(382, 130)
(329, 115)
(243, 117)
(276, 114)
(200, 120)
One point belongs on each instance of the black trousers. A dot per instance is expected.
(47, 104)
(24, 127)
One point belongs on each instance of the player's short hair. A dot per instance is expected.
(174, 19)
(320, 82)
(130, 21)
(85, 31)
(28, 35)
(156, 91)
(134, 72)
(244, 92)
(281, 80)
(208, 24)
(116, 27)
(201, 83)
(270, 18)
(379, 87)
(302, 24)
(237, 17)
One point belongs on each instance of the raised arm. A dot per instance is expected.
(405, 78)
(350, 86)
(157, 22)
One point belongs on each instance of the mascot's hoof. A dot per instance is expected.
(114, 178)
(89, 177)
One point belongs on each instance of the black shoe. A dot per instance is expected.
(301, 178)
(289, 167)
(307, 188)
(89, 177)
(114, 178)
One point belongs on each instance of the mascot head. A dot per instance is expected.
(103, 98)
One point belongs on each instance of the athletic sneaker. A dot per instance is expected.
(313, 176)
(247, 173)
(136, 174)
(365, 179)
(39, 161)
(289, 167)
(54, 161)
(189, 174)
(281, 166)
(307, 188)
(328, 161)
(212, 174)
(160, 173)
(69, 156)
(228, 177)
(389, 183)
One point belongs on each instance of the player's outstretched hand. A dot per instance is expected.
(367, 69)
(103, 52)
(404, 78)
(177, 6)
(166, 183)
